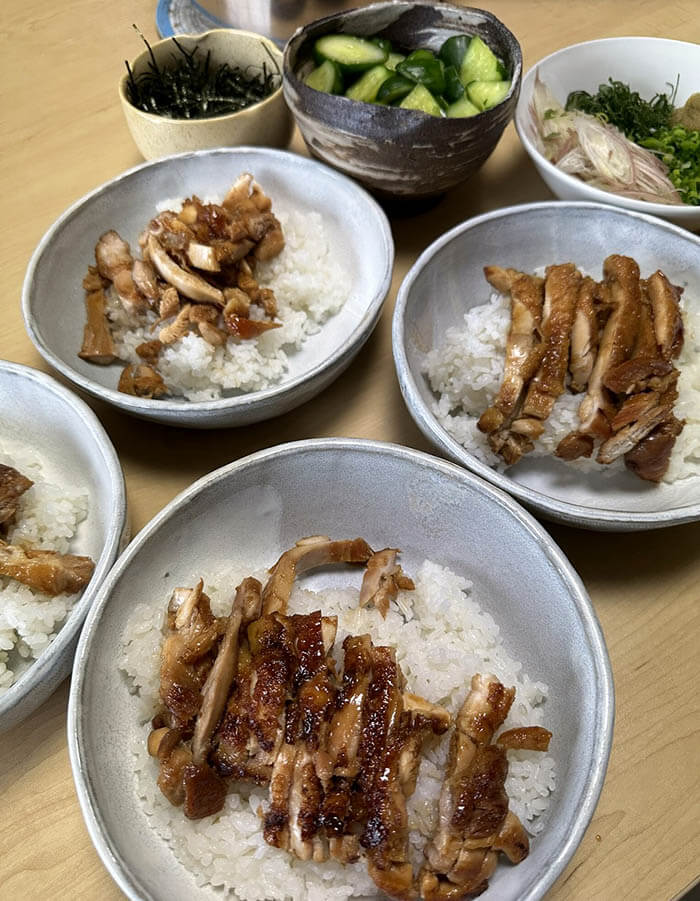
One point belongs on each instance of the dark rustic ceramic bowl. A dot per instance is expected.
(399, 152)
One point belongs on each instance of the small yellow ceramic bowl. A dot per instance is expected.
(267, 123)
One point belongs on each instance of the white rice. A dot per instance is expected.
(442, 637)
(310, 284)
(466, 371)
(47, 517)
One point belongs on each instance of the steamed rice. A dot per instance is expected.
(442, 637)
(310, 285)
(47, 517)
(466, 371)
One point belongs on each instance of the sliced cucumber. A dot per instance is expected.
(393, 60)
(453, 50)
(424, 68)
(486, 94)
(479, 63)
(421, 99)
(462, 107)
(325, 77)
(367, 85)
(350, 53)
(394, 88)
(454, 89)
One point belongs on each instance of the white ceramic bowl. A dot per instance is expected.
(447, 279)
(357, 228)
(647, 65)
(253, 509)
(267, 123)
(43, 415)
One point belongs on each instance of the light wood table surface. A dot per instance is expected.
(62, 135)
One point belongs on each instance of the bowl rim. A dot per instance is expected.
(144, 406)
(43, 669)
(561, 511)
(127, 881)
(289, 76)
(208, 120)
(684, 210)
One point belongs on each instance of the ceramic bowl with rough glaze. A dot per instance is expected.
(267, 123)
(357, 229)
(648, 65)
(447, 279)
(399, 152)
(252, 510)
(39, 413)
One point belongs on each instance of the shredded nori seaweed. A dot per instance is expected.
(190, 86)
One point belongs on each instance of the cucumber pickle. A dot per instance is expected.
(464, 78)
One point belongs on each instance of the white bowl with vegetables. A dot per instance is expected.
(569, 144)
(408, 98)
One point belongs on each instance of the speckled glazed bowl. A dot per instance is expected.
(448, 279)
(354, 225)
(251, 510)
(399, 152)
(268, 123)
(76, 453)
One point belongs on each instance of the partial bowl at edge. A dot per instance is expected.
(40, 413)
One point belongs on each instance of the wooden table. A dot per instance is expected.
(62, 135)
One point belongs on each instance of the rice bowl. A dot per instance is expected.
(447, 281)
(270, 499)
(354, 227)
(81, 506)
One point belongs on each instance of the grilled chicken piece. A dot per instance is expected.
(382, 580)
(392, 736)
(270, 245)
(187, 656)
(146, 281)
(637, 417)
(650, 458)
(114, 262)
(473, 805)
(668, 323)
(149, 351)
(203, 256)
(97, 346)
(168, 304)
(639, 374)
(561, 290)
(189, 284)
(584, 336)
(246, 608)
(250, 735)
(141, 380)
(46, 571)
(616, 343)
(237, 303)
(317, 550)
(178, 328)
(523, 347)
(296, 790)
(12, 486)
(525, 738)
